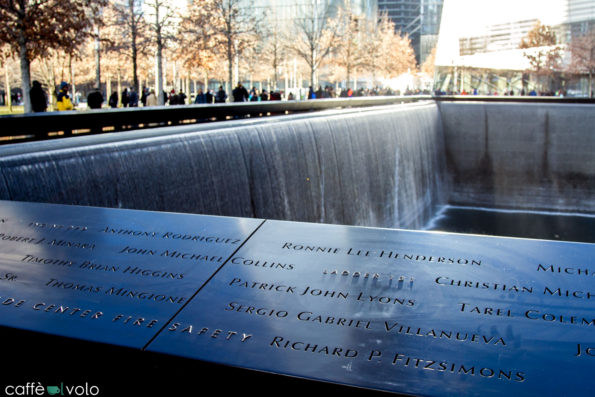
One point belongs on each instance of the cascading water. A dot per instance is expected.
(375, 167)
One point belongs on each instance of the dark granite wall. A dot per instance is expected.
(521, 156)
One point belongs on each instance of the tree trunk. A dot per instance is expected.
(133, 32)
(119, 89)
(25, 72)
(72, 83)
(312, 66)
(229, 64)
(98, 62)
(7, 89)
(159, 77)
(52, 94)
(347, 82)
(275, 72)
(108, 87)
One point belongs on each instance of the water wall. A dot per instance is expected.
(522, 156)
(382, 167)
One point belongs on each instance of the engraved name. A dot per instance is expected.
(412, 257)
(8, 277)
(340, 295)
(21, 239)
(170, 235)
(482, 285)
(457, 368)
(42, 225)
(568, 293)
(115, 291)
(72, 244)
(260, 263)
(309, 347)
(531, 314)
(131, 270)
(574, 271)
(171, 254)
(367, 275)
(585, 351)
(302, 316)
(394, 327)
(46, 261)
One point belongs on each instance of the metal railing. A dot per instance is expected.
(509, 99)
(43, 126)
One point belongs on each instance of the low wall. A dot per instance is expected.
(386, 166)
(373, 167)
(528, 156)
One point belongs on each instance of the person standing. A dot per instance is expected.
(209, 95)
(200, 97)
(133, 98)
(143, 97)
(221, 95)
(63, 100)
(181, 98)
(39, 99)
(151, 98)
(95, 99)
(240, 94)
(113, 100)
(125, 98)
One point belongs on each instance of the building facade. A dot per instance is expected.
(479, 44)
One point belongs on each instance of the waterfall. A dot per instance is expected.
(380, 166)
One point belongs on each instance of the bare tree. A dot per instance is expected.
(32, 27)
(274, 49)
(161, 18)
(351, 52)
(314, 36)
(197, 36)
(129, 33)
(582, 51)
(237, 28)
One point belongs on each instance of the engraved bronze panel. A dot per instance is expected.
(106, 275)
(404, 311)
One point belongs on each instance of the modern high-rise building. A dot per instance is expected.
(580, 16)
(420, 19)
(406, 15)
(285, 11)
(431, 15)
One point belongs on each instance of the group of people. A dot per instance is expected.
(39, 98)
(130, 98)
(239, 94)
